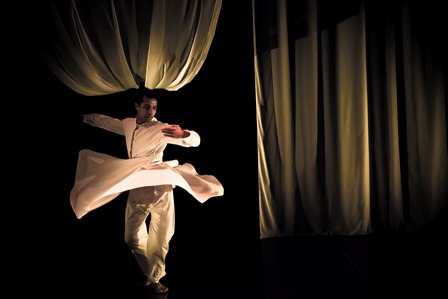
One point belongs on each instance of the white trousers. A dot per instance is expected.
(150, 243)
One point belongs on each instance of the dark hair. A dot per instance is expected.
(146, 92)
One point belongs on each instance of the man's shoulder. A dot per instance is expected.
(128, 119)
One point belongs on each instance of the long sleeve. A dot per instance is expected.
(104, 122)
(191, 141)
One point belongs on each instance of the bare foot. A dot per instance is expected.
(159, 287)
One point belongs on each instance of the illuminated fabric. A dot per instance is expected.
(100, 177)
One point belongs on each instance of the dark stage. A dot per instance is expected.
(216, 251)
(207, 260)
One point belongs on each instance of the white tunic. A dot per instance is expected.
(100, 177)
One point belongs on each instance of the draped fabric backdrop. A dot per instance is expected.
(108, 46)
(351, 116)
(350, 98)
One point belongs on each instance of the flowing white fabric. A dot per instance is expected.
(100, 178)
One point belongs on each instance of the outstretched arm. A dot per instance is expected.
(104, 122)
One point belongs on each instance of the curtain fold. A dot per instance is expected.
(109, 46)
(351, 119)
(181, 35)
(425, 123)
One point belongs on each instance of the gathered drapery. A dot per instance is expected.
(350, 98)
(108, 46)
(351, 119)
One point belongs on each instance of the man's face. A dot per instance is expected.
(146, 110)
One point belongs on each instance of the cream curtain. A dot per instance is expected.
(351, 121)
(108, 46)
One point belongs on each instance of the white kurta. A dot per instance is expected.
(100, 177)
